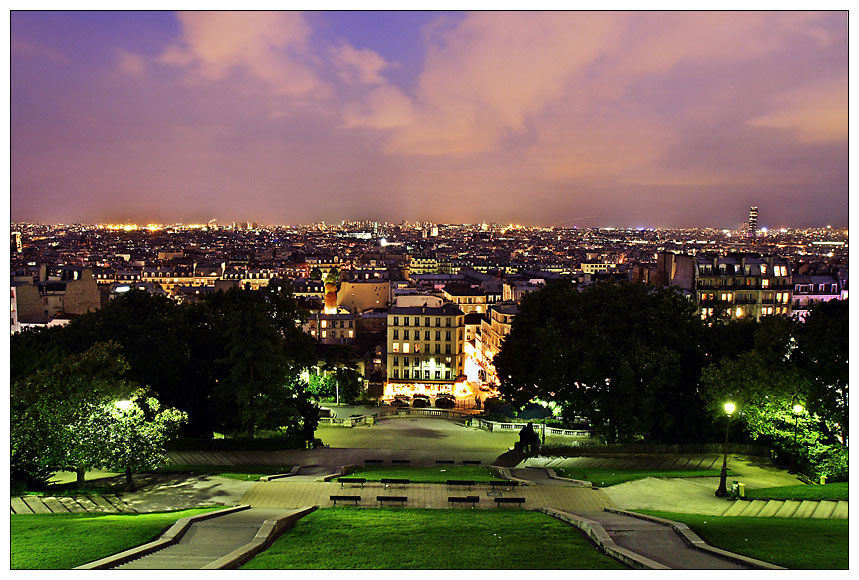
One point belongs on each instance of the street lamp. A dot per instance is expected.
(797, 411)
(723, 476)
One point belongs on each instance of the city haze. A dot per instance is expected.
(652, 119)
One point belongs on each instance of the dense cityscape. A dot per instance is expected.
(617, 337)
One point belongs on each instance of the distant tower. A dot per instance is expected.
(16, 242)
(753, 221)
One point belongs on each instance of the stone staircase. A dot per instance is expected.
(34, 504)
(772, 508)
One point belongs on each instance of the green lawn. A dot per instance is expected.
(828, 491)
(800, 544)
(64, 541)
(242, 472)
(437, 474)
(422, 539)
(609, 477)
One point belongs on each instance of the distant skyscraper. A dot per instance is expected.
(753, 221)
(16, 242)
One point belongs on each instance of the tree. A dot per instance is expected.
(134, 434)
(822, 354)
(51, 409)
(625, 356)
(262, 355)
(316, 273)
(333, 275)
(342, 363)
(766, 383)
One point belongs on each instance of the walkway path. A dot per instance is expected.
(206, 541)
(660, 544)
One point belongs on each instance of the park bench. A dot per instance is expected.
(374, 461)
(393, 481)
(444, 461)
(400, 498)
(400, 461)
(469, 483)
(506, 484)
(517, 500)
(472, 499)
(353, 480)
(471, 462)
(336, 498)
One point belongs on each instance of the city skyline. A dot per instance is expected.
(653, 119)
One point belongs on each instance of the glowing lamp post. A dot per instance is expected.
(797, 411)
(723, 476)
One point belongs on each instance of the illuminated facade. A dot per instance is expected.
(467, 299)
(739, 285)
(811, 290)
(338, 328)
(492, 333)
(425, 351)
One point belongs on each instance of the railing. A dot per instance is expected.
(393, 412)
(554, 431)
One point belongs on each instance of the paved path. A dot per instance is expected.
(294, 494)
(206, 541)
(660, 544)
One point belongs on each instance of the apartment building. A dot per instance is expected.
(493, 329)
(811, 290)
(738, 285)
(425, 349)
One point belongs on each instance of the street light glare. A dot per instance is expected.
(123, 405)
(729, 408)
(797, 409)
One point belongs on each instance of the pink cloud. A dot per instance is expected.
(270, 47)
(384, 108)
(37, 50)
(355, 65)
(130, 63)
(812, 114)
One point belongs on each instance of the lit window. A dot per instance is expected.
(323, 334)
(351, 334)
(417, 347)
(765, 283)
(739, 313)
(405, 347)
(324, 324)
(396, 346)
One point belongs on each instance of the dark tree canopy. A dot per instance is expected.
(791, 363)
(625, 356)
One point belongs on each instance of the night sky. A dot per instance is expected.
(652, 119)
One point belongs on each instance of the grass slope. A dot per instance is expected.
(64, 541)
(426, 539)
(438, 474)
(609, 477)
(834, 491)
(800, 544)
